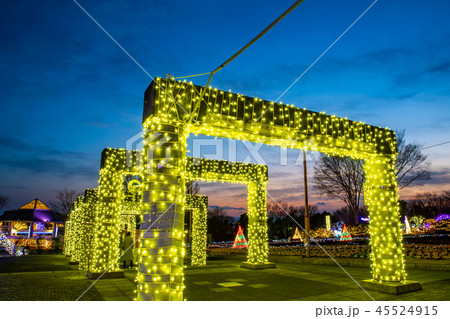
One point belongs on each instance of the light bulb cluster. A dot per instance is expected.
(128, 213)
(73, 230)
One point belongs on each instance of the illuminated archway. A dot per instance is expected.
(79, 235)
(168, 119)
(255, 177)
(108, 212)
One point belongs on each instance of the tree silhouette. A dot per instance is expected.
(411, 167)
(64, 201)
(4, 200)
(343, 177)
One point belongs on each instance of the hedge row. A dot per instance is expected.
(349, 251)
(31, 243)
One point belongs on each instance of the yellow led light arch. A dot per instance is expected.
(168, 120)
(79, 235)
(115, 163)
(255, 177)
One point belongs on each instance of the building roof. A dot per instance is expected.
(35, 204)
(33, 211)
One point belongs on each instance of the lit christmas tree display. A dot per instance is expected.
(345, 235)
(297, 236)
(9, 246)
(240, 241)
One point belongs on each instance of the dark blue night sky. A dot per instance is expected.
(68, 91)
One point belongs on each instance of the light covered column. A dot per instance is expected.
(161, 253)
(380, 195)
(105, 245)
(87, 234)
(258, 247)
(76, 242)
(199, 206)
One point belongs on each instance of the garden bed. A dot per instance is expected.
(346, 251)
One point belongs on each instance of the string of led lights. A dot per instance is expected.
(270, 26)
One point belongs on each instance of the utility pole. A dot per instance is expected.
(307, 226)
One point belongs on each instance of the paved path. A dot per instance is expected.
(225, 280)
(121, 289)
(46, 285)
(30, 279)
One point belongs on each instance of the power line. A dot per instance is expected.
(331, 45)
(431, 146)
(244, 48)
(318, 58)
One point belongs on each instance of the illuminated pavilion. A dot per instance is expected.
(34, 218)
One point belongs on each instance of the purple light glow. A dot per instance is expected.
(442, 217)
(42, 215)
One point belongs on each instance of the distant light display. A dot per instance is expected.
(8, 245)
(297, 235)
(240, 241)
(407, 226)
(328, 222)
(442, 217)
(345, 234)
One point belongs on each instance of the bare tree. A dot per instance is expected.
(430, 204)
(64, 201)
(411, 166)
(4, 200)
(343, 178)
(344, 215)
(278, 210)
